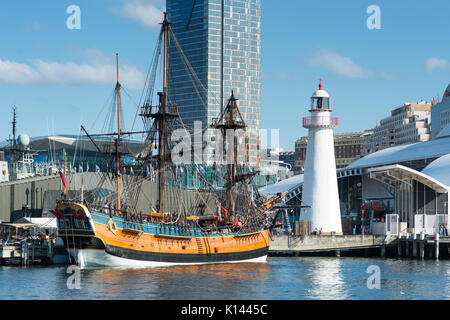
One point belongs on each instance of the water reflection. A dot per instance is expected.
(218, 281)
(326, 279)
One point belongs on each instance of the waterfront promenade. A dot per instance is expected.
(409, 246)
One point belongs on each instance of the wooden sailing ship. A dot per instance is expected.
(116, 235)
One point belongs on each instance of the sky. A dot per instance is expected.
(60, 78)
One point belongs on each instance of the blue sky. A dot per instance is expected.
(60, 78)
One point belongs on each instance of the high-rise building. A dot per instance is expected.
(221, 39)
(407, 124)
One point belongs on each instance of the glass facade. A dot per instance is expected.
(197, 25)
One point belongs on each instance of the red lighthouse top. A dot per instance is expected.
(320, 84)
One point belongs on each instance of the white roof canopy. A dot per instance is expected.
(409, 152)
(398, 173)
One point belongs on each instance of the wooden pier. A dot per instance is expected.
(25, 253)
(422, 247)
(27, 244)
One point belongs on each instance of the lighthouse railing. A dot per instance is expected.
(320, 121)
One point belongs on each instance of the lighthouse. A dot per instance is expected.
(320, 188)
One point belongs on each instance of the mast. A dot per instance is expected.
(117, 144)
(65, 161)
(231, 120)
(14, 124)
(13, 147)
(222, 41)
(166, 111)
(231, 166)
(162, 127)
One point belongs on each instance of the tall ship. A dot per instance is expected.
(228, 223)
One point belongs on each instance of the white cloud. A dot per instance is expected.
(437, 64)
(149, 13)
(94, 71)
(17, 73)
(341, 65)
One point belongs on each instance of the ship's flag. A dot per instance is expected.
(63, 179)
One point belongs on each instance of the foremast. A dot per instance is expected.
(117, 142)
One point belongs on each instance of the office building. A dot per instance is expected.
(222, 42)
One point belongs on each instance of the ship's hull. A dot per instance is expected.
(96, 239)
(91, 258)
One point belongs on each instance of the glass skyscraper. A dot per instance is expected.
(217, 37)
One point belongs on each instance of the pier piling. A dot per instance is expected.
(407, 246)
(422, 246)
(414, 238)
(436, 247)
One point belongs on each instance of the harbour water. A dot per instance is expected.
(281, 278)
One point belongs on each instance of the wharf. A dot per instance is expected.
(421, 246)
(290, 245)
(25, 253)
(399, 246)
(33, 251)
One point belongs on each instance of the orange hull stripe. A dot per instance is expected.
(195, 245)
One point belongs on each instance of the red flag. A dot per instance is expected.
(63, 179)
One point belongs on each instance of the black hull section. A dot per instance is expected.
(185, 258)
(77, 242)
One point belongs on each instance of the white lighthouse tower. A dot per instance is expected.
(320, 188)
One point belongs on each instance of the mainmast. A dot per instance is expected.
(162, 117)
(162, 126)
(117, 142)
